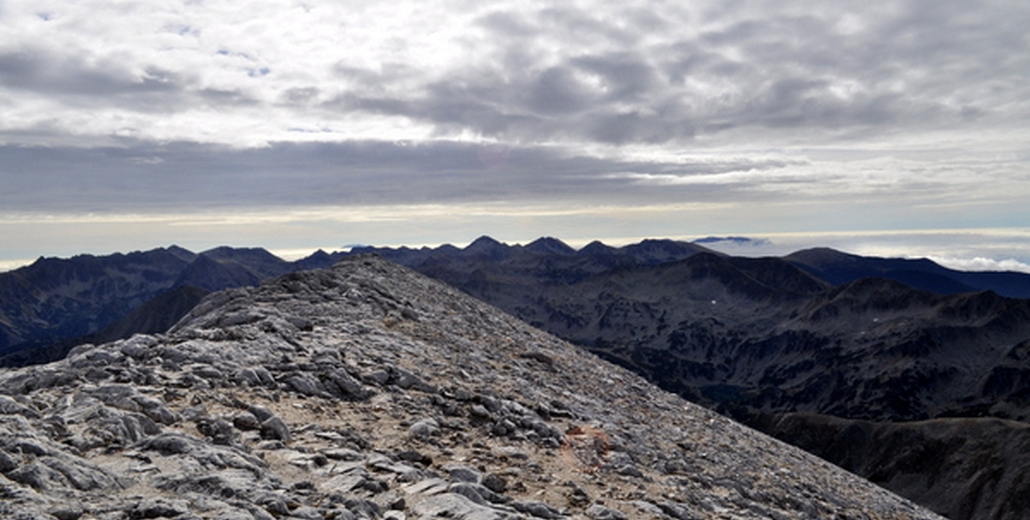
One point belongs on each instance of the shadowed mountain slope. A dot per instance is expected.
(840, 268)
(153, 317)
(761, 334)
(960, 465)
(55, 299)
(54, 304)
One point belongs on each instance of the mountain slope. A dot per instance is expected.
(968, 468)
(368, 391)
(840, 268)
(749, 336)
(54, 299)
(762, 335)
(54, 304)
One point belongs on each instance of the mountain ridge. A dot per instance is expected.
(369, 391)
(757, 335)
(839, 268)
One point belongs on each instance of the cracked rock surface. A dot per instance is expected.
(367, 391)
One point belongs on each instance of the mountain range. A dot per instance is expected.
(367, 392)
(818, 341)
(50, 306)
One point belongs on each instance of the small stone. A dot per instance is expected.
(275, 429)
(495, 483)
(577, 497)
(246, 421)
(599, 512)
(537, 509)
(68, 512)
(415, 456)
(460, 473)
(157, 508)
(263, 414)
(379, 377)
(480, 411)
(307, 513)
(219, 430)
(424, 429)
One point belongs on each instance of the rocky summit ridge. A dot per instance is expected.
(368, 391)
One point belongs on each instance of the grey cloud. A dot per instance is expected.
(40, 71)
(787, 71)
(530, 105)
(557, 91)
(147, 177)
(628, 75)
(226, 97)
(83, 81)
(583, 26)
(637, 75)
(300, 95)
(508, 25)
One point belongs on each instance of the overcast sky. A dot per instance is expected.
(897, 127)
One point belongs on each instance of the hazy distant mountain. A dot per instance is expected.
(840, 268)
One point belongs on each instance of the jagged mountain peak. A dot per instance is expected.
(368, 391)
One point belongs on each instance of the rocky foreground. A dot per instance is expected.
(368, 391)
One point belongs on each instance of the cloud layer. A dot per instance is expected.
(747, 116)
(631, 72)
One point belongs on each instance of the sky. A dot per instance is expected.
(898, 128)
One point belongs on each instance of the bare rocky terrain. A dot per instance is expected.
(760, 337)
(369, 391)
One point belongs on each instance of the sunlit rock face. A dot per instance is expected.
(368, 391)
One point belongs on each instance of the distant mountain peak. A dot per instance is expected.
(181, 253)
(596, 247)
(660, 250)
(485, 241)
(550, 245)
(489, 247)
